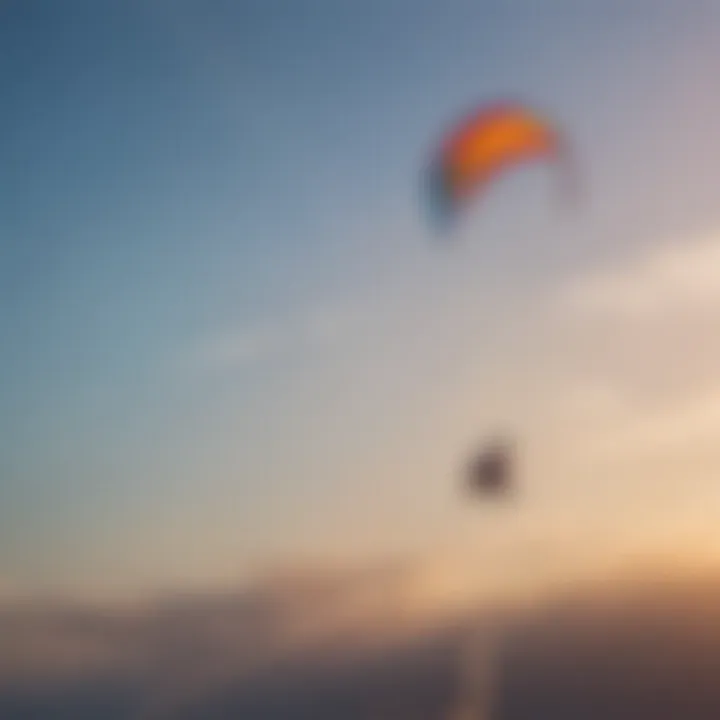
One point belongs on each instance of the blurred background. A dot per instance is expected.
(241, 374)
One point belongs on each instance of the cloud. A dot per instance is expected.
(695, 420)
(240, 347)
(672, 277)
(643, 647)
(164, 654)
(642, 358)
(306, 644)
(613, 420)
(233, 348)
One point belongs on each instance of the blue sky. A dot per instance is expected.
(228, 335)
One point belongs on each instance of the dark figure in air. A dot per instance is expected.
(490, 472)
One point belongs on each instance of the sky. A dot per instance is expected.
(230, 338)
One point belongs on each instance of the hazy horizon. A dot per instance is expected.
(641, 638)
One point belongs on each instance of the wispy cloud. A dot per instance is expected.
(240, 347)
(610, 419)
(692, 422)
(233, 348)
(675, 276)
(646, 379)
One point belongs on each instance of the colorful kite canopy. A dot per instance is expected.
(488, 141)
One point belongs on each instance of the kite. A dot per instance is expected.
(479, 148)
(488, 141)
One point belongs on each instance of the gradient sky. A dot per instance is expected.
(229, 337)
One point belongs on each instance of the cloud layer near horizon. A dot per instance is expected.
(315, 643)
